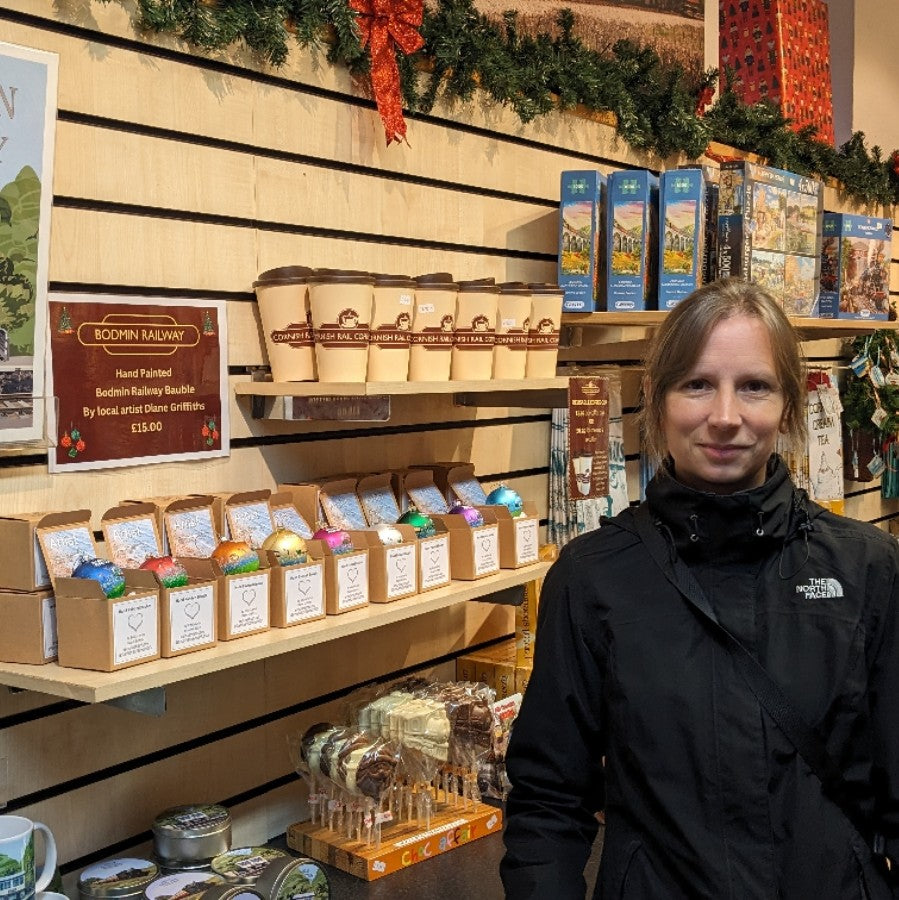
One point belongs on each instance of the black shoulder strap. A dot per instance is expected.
(803, 737)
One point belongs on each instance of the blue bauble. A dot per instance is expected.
(110, 577)
(505, 496)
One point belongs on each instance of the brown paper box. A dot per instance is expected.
(28, 634)
(286, 515)
(379, 503)
(526, 623)
(188, 616)
(23, 564)
(107, 635)
(392, 570)
(305, 497)
(298, 591)
(190, 526)
(249, 517)
(346, 578)
(131, 533)
(243, 605)
(159, 505)
(474, 552)
(434, 569)
(65, 539)
(519, 542)
(419, 487)
(341, 505)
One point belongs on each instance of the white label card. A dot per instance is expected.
(248, 602)
(525, 540)
(48, 618)
(425, 308)
(135, 629)
(41, 575)
(352, 580)
(400, 571)
(191, 616)
(304, 592)
(433, 562)
(485, 541)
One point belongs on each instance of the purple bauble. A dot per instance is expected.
(472, 516)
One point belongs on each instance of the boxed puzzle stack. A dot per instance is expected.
(769, 232)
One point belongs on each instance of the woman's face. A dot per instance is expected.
(722, 419)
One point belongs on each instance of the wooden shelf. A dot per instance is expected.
(392, 388)
(97, 687)
(640, 321)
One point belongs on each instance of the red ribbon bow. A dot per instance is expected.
(386, 25)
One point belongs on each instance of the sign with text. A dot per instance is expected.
(28, 81)
(588, 437)
(137, 381)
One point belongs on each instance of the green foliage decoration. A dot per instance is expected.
(657, 104)
(860, 398)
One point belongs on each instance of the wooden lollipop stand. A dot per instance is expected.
(403, 844)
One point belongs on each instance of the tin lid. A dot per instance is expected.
(545, 288)
(184, 884)
(244, 864)
(293, 876)
(479, 285)
(192, 821)
(341, 276)
(231, 892)
(435, 281)
(126, 877)
(514, 287)
(393, 281)
(283, 275)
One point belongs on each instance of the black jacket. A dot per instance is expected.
(704, 797)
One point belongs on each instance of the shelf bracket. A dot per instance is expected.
(150, 702)
(512, 596)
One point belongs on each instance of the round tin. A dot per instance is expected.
(182, 884)
(121, 878)
(186, 835)
(294, 876)
(245, 864)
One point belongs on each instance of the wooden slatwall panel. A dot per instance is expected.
(182, 175)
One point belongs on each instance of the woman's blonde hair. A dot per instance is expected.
(680, 339)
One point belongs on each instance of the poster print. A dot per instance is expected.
(137, 381)
(28, 80)
(673, 28)
(588, 437)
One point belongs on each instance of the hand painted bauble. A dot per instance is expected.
(423, 525)
(169, 571)
(110, 577)
(472, 516)
(389, 534)
(236, 557)
(336, 538)
(505, 496)
(287, 545)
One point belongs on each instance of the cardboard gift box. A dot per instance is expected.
(581, 221)
(632, 220)
(474, 551)
(378, 501)
(104, 634)
(779, 50)
(249, 517)
(682, 221)
(392, 568)
(456, 481)
(519, 543)
(159, 505)
(286, 515)
(855, 267)
(243, 605)
(297, 591)
(769, 232)
(418, 485)
(434, 570)
(24, 568)
(29, 633)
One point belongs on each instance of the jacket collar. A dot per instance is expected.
(721, 526)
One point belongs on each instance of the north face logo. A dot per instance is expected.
(819, 588)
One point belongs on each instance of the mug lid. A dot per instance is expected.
(514, 287)
(341, 276)
(480, 285)
(283, 275)
(545, 287)
(393, 280)
(442, 281)
(193, 821)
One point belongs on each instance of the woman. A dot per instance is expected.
(636, 705)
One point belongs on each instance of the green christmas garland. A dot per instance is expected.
(860, 397)
(658, 106)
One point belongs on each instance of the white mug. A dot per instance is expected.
(18, 879)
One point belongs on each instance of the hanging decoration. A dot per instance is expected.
(659, 108)
(871, 406)
(387, 26)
